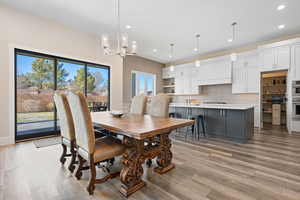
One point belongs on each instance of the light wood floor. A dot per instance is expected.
(266, 168)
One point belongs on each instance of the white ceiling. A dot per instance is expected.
(157, 23)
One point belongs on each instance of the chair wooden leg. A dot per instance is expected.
(149, 163)
(111, 162)
(92, 180)
(78, 173)
(73, 159)
(63, 155)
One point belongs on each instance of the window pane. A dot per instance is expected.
(70, 76)
(144, 83)
(141, 83)
(150, 85)
(97, 88)
(34, 91)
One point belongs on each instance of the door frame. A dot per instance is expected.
(288, 92)
(54, 132)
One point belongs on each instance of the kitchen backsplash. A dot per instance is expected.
(219, 93)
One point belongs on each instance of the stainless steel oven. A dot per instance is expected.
(296, 107)
(296, 110)
(296, 88)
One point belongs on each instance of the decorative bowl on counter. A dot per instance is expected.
(116, 113)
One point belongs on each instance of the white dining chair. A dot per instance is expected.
(66, 128)
(88, 148)
(159, 105)
(138, 104)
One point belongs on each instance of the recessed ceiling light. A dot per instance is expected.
(282, 26)
(154, 50)
(281, 7)
(128, 27)
(230, 40)
(195, 49)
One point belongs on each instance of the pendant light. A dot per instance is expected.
(197, 62)
(171, 57)
(121, 40)
(233, 56)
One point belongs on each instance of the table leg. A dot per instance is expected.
(132, 172)
(164, 158)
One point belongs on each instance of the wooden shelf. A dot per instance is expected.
(168, 78)
(169, 86)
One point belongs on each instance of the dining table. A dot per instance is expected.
(145, 137)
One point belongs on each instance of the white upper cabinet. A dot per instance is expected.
(215, 71)
(283, 56)
(168, 73)
(295, 69)
(275, 58)
(186, 79)
(179, 80)
(245, 73)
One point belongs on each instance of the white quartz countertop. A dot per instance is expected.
(214, 106)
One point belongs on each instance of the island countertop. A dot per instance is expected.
(214, 106)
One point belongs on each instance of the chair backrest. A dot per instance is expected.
(65, 116)
(138, 104)
(159, 106)
(84, 130)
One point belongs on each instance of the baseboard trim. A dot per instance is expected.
(6, 141)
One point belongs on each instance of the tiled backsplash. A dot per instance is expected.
(220, 93)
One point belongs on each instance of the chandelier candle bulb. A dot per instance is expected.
(124, 41)
(197, 63)
(105, 43)
(133, 48)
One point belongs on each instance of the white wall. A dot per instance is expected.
(29, 32)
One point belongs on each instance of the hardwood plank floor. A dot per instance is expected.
(266, 168)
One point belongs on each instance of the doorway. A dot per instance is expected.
(274, 100)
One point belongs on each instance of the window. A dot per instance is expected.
(143, 83)
(37, 76)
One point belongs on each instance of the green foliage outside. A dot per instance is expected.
(42, 77)
(79, 80)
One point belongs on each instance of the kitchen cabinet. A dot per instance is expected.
(167, 72)
(233, 124)
(239, 78)
(245, 74)
(215, 122)
(186, 79)
(179, 79)
(236, 125)
(295, 69)
(275, 58)
(215, 71)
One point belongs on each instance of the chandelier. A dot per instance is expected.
(122, 48)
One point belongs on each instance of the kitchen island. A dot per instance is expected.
(234, 122)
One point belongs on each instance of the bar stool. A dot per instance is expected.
(200, 120)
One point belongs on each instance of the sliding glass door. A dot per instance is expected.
(37, 76)
(34, 91)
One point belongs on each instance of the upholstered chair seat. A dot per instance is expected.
(89, 149)
(67, 129)
(105, 148)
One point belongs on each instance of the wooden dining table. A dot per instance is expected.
(145, 137)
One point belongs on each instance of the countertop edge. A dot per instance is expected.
(215, 106)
